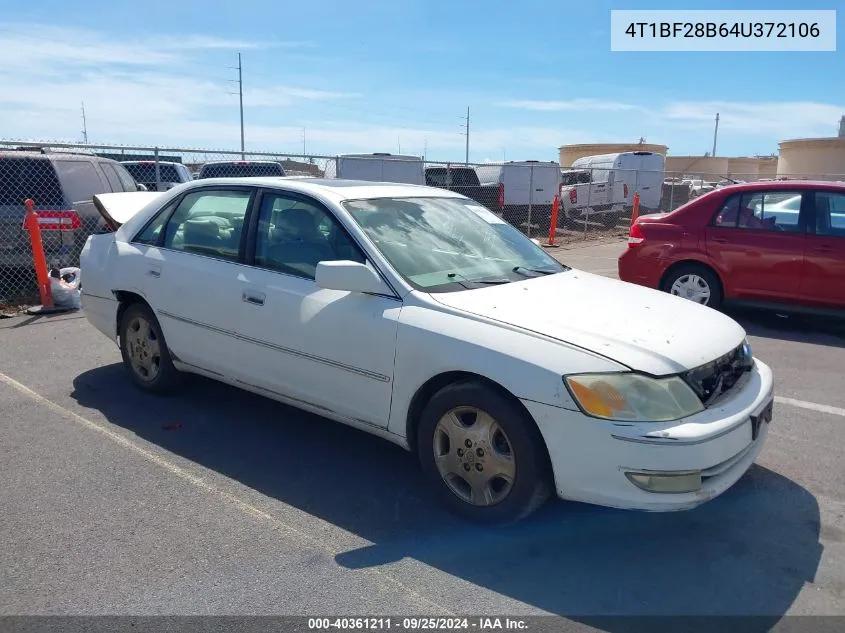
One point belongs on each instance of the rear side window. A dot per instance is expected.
(80, 179)
(241, 170)
(762, 210)
(126, 178)
(209, 223)
(111, 176)
(830, 213)
(22, 178)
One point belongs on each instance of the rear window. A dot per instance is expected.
(146, 172)
(22, 178)
(443, 177)
(241, 170)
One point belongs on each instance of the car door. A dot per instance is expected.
(823, 279)
(328, 348)
(756, 240)
(192, 254)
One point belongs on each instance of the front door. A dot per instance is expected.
(823, 281)
(757, 241)
(328, 348)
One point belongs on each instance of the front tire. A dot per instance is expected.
(145, 353)
(482, 455)
(696, 283)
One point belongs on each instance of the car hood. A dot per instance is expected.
(643, 329)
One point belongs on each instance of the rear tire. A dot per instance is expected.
(482, 456)
(693, 282)
(145, 352)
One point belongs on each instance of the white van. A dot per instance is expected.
(378, 167)
(641, 172)
(524, 184)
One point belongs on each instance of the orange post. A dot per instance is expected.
(553, 226)
(636, 211)
(30, 223)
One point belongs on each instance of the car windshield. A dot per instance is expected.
(447, 244)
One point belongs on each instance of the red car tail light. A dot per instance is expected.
(636, 236)
(625, 190)
(58, 220)
(573, 196)
(501, 195)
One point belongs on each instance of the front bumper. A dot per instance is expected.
(591, 457)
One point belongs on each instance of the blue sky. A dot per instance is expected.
(380, 75)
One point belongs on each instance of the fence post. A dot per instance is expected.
(671, 194)
(158, 170)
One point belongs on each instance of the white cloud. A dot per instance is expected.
(27, 44)
(777, 119)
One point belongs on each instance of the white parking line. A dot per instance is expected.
(199, 482)
(812, 406)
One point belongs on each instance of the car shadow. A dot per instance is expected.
(749, 551)
(799, 328)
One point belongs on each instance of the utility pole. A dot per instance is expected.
(715, 134)
(466, 156)
(425, 148)
(240, 93)
(303, 143)
(84, 126)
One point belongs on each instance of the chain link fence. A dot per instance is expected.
(62, 179)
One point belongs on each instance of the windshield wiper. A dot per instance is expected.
(487, 282)
(522, 270)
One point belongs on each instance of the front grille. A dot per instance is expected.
(717, 378)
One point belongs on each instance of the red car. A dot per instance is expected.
(767, 244)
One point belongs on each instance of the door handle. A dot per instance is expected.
(255, 298)
(720, 240)
(155, 271)
(824, 249)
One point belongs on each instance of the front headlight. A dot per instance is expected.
(629, 397)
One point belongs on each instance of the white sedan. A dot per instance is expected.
(414, 314)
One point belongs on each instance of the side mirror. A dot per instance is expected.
(350, 276)
(142, 187)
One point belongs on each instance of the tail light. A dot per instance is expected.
(58, 220)
(625, 190)
(573, 196)
(635, 235)
(501, 195)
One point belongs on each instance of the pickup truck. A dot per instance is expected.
(584, 199)
(463, 180)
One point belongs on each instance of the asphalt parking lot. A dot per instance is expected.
(216, 501)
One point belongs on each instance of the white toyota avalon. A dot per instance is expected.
(417, 315)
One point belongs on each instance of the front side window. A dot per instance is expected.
(296, 234)
(762, 210)
(446, 244)
(830, 213)
(209, 223)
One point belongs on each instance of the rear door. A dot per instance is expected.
(757, 241)
(192, 274)
(823, 279)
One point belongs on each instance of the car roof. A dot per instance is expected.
(775, 185)
(239, 162)
(336, 188)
